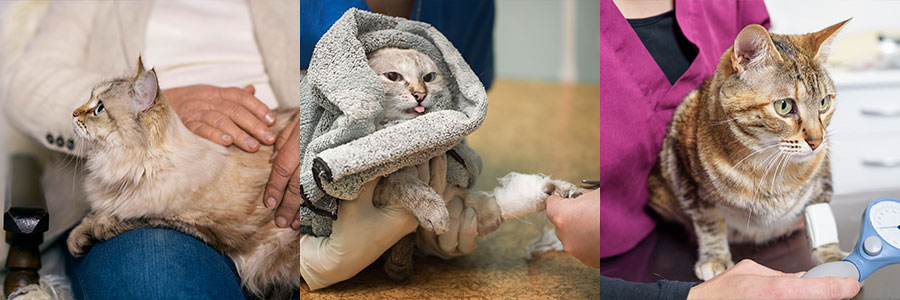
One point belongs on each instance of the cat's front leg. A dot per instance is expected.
(80, 239)
(420, 199)
(712, 239)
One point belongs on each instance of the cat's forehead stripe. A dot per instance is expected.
(105, 87)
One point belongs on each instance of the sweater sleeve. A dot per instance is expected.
(614, 288)
(47, 83)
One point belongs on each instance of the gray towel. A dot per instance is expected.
(341, 99)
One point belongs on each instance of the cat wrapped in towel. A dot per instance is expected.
(404, 95)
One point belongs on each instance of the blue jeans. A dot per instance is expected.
(153, 263)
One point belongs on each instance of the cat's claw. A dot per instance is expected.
(710, 267)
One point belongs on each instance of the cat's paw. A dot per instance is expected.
(562, 189)
(828, 253)
(432, 213)
(437, 220)
(710, 267)
(523, 194)
(79, 242)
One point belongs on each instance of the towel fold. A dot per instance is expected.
(341, 99)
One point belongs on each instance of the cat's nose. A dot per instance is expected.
(75, 114)
(420, 96)
(814, 142)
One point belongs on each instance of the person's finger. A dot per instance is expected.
(250, 89)
(242, 97)
(209, 133)
(286, 132)
(423, 173)
(247, 121)
(438, 169)
(468, 231)
(296, 223)
(240, 137)
(747, 266)
(282, 169)
(552, 206)
(290, 205)
(817, 288)
(450, 239)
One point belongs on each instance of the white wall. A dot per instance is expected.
(530, 35)
(799, 16)
(531, 42)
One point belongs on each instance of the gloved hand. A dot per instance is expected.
(361, 233)
(460, 239)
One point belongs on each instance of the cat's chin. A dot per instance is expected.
(804, 157)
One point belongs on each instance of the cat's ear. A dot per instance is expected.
(823, 39)
(753, 48)
(145, 90)
(140, 67)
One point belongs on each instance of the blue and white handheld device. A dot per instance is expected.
(878, 244)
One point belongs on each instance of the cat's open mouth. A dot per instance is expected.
(416, 110)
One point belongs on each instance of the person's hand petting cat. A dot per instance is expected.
(577, 225)
(224, 115)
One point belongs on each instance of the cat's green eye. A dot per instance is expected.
(784, 107)
(428, 77)
(393, 76)
(99, 109)
(825, 104)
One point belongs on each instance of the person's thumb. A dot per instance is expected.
(250, 89)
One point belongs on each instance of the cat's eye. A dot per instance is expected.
(393, 76)
(825, 104)
(784, 107)
(428, 77)
(99, 108)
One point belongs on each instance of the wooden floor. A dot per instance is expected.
(531, 127)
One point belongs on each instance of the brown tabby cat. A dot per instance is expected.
(748, 151)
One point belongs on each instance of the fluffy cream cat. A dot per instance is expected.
(413, 86)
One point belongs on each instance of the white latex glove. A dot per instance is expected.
(460, 240)
(361, 233)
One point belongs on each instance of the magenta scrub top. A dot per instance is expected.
(637, 102)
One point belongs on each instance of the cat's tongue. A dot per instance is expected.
(419, 109)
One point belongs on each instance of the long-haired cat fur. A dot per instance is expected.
(747, 151)
(146, 169)
(413, 85)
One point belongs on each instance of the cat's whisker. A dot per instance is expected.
(769, 164)
(784, 162)
(751, 154)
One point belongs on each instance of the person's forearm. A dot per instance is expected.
(614, 288)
